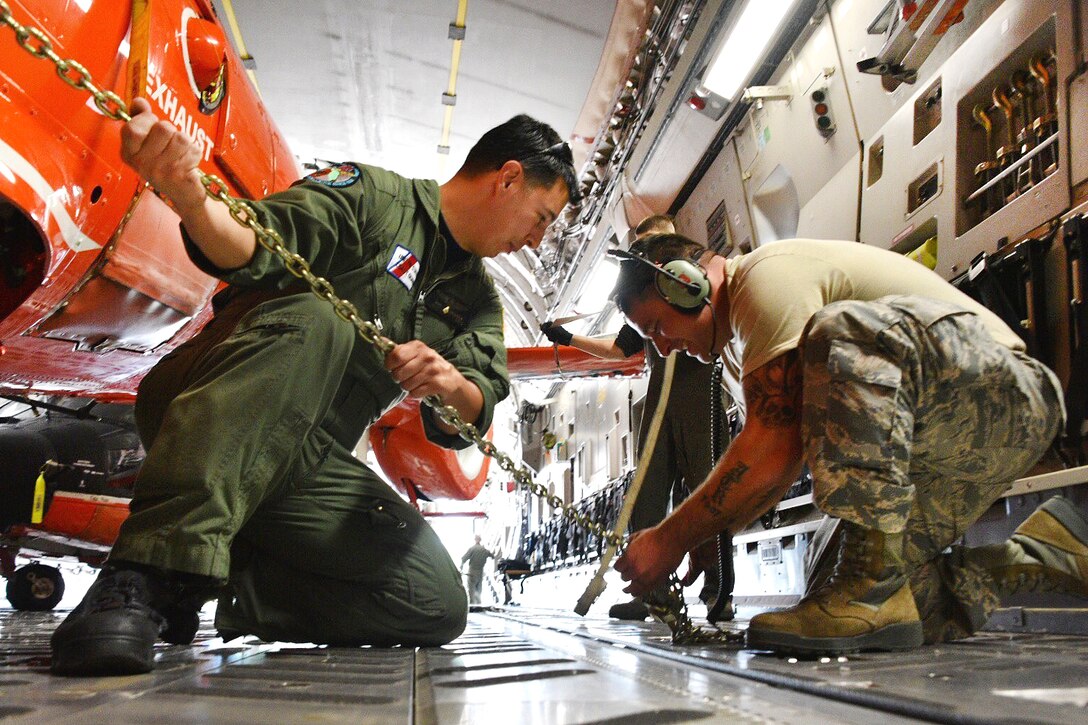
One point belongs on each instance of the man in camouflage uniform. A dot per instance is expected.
(913, 406)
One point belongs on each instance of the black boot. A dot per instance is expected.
(113, 630)
(721, 610)
(181, 624)
(633, 610)
(181, 605)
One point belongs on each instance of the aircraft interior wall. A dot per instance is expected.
(703, 218)
(592, 436)
(1078, 130)
(898, 171)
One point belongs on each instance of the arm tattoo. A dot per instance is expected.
(773, 392)
(715, 500)
(768, 501)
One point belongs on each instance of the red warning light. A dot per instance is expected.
(821, 110)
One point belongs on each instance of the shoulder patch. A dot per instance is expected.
(337, 175)
(404, 265)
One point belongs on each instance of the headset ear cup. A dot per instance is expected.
(678, 293)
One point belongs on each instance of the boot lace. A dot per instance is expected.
(854, 553)
(119, 592)
(1030, 581)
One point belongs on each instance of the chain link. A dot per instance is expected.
(673, 611)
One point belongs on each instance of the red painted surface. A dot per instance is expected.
(87, 518)
(557, 361)
(60, 154)
(412, 462)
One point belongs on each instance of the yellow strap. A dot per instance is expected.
(239, 44)
(139, 41)
(451, 89)
(37, 510)
(597, 584)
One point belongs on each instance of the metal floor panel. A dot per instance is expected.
(559, 678)
(208, 682)
(547, 667)
(990, 678)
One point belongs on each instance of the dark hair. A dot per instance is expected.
(657, 249)
(543, 155)
(655, 223)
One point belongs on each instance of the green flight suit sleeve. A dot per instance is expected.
(479, 353)
(333, 228)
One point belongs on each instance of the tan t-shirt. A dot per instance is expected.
(774, 290)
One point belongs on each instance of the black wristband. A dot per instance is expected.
(629, 341)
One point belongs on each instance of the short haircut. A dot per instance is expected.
(635, 276)
(535, 145)
(656, 224)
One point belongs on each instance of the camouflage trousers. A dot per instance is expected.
(914, 420)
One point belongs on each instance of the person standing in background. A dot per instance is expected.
(683, 457)
(476, 556)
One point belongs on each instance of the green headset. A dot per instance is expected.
(680, 282)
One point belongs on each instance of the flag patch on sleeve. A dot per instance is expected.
(404, 265)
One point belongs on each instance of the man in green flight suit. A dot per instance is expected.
(250, 491)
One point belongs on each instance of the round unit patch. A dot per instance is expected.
(344, 174)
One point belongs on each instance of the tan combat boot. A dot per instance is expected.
(866, 604)
(1046, 553)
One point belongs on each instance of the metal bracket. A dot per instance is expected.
(767, 93)
(905, 48)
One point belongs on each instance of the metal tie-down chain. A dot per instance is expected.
(673, 611)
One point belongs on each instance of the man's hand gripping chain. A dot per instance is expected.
(673, 612)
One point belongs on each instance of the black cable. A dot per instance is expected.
(724, 538)
(83, 413)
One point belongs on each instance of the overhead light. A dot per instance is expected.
(578, 327)
(599, 285)
(744, 47)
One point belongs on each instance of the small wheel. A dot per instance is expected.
(770, 520)
(35, 588)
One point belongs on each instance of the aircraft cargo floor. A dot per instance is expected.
(549, 667)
